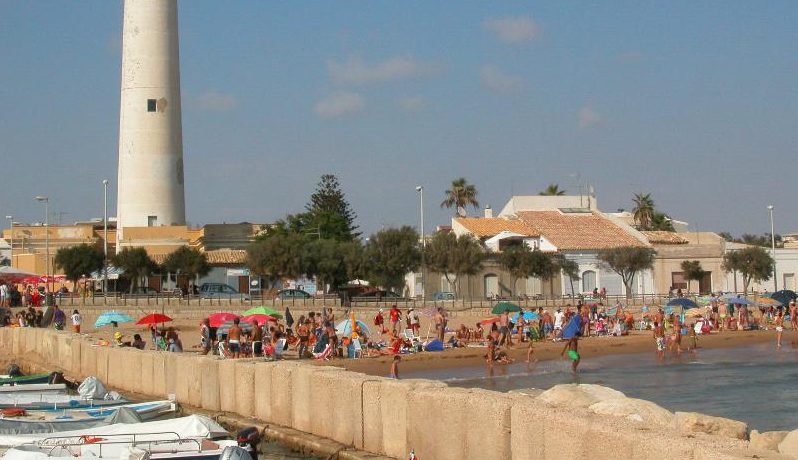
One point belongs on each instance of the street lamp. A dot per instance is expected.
(46, 237)
(11, 226)
(773, 249)
(420, 191)
(105, 237)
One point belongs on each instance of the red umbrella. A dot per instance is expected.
(154, 318)
(487, 321)
(217, 319)
(261, 319)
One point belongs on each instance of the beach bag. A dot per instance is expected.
(435, 345)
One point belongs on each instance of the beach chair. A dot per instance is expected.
(279, 348)
(358, 349)
(324, 355)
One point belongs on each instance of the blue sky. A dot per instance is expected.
(694, 102)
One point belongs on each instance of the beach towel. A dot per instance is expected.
(573, 328)
(324, 354)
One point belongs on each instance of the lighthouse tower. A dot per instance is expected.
(150, 182)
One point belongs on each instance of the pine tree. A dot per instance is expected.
(329, 210)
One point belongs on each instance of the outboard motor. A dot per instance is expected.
(249, 438)
(13, 370)
(235, 453)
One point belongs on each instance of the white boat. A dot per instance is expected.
(191, 427)
(166, 449)
(80, 419)
(38, 388)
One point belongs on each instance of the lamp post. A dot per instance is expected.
(773, 249)
(420, 191)
(11, 229)
(105, 237)
(46, 238)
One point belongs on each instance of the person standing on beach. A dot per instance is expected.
(559, 316)
(659, 339)
(415, 323)
(76, 320)
(234, 339)
(440, 328)
(779, 328)
(793, 315)
(395, 366)
(205, 336)
(396, 316)
(504, 330)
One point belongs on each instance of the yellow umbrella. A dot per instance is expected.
(767, 301)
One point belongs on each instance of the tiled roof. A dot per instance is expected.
(582, 231)
(664, 238)
(217, 257)
(482, 227)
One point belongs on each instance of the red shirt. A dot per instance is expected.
(394, 315)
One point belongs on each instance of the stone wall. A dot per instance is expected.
(375, 414)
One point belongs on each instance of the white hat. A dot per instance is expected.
(380, 310)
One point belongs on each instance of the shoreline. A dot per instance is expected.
(638, 342)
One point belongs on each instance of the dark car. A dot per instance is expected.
(290, 294)
(377, 295)
(220, 291)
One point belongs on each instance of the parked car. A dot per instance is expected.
(290, 294)
(443, 296)
(376, 295)
(220, 291)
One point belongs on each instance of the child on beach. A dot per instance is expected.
(395, 366)
(779, 328)
(530, 353)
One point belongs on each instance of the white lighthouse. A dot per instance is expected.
(150, 185)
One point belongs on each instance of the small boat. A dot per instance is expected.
(24, 379)
(35, 388)
(34, 422)
(43, 401)
(185, 437)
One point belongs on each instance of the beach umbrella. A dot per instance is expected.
(502, 307)
(528, 316)
(682, 302)
(785, 296)
(694, 313)
(109, 317)
(264, 311)
(739, 301)
(217, 319)
(345, 327)
(15, 275)
(490, 320)
(261, 319)
(767, 301)
(154, 318)
(224, 327)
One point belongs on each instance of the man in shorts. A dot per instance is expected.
(234, 339)
(659, 339)
(571, 334)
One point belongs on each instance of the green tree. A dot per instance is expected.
(692, 271)
(187, 261)
(552, 190)
(661, 222)
(517, 260)
(454, 257)
(330, 212)
(136, 263)
(391, 254)
(79, 260)
(643, 211)
(276, 257)
(569, 268)
(545, 266)
(354, 259)
(754, 264)
(460, 196)
(324, 260)
(627, 262)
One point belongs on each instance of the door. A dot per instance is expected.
(705, 284)
(491, 286)
(588, 281)
(243, 284)
(533, 286)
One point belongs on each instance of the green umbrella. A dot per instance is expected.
(502, 307)
(263, 311)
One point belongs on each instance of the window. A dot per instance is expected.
(678, 281)
(588, 281)
(151, 105)
(491, 285)
(152, 221)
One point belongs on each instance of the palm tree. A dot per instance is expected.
(552, 190)
(643, 210)
(459, 196)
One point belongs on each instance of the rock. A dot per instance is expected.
(534, 392)
(638, 410)
(789, 445)
(693, 422)
(767, 440)
(578, 395)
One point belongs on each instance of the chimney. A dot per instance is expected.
(488, 212)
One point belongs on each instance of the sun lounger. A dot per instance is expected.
(358, 349)
(324, 355)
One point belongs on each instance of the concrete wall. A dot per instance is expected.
(376, 414)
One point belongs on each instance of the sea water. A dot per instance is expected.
(756, 384)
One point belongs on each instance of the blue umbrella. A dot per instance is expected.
(345, 327)
(681, 302)
(739, 301)
(109, 317)
(528, 316)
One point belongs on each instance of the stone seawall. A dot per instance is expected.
(375, 414)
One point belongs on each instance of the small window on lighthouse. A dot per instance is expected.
(151, 105)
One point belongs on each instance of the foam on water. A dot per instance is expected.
(756, 384)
